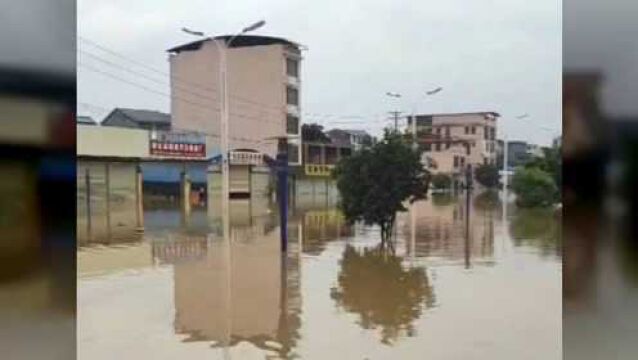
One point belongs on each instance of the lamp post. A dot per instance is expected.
(505, 151)
(413, 208)
(222, 47)
(414, 134)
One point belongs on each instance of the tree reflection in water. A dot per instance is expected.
(374, 284)
(487, 201)
(540, 228)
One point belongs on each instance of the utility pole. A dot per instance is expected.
(395, 115)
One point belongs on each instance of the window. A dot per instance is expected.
(456, 161)
(493, 134)
(486, 133)
(485, 161)
(447, 144)
(473, 129)
(292, 125)
(292, 96)
(447, 131)
(293, 153)
(467, 130)
(467, 149)
(292, 67)
(437, 147)
(438, 131)
(462, 162)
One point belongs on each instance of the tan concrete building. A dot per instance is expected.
(451, 142)
(263, 76)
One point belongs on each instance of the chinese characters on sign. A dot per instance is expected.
(177, 149)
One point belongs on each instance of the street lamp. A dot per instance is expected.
(222, 47)
(505, 146)
(427, 93)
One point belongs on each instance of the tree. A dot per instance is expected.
(550, 162)
(534, 187)
(375, 182)
(487, 175)
(441, 181)
(314, 133)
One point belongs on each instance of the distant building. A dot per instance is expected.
(138, 119)
(534, 150)
(264, 86)
(500, 144)
(517, 153)
(354, 138)
(452, 142)
(85, 120)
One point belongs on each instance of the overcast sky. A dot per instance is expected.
(488, 55)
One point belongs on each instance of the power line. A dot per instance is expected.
(200, 105)
(180, 82)
(199, 132)
(139, 74)
(174, 78)
(165, 83)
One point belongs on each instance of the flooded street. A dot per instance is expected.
(459, 283)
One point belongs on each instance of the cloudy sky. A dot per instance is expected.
(488, 55)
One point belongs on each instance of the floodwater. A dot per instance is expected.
(459, 283)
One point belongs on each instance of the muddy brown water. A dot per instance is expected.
(457, 284)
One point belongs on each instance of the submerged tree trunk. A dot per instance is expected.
(386, 230)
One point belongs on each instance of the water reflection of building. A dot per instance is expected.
(442, 229)
(241, 289)
(179, 248)
(318, 227)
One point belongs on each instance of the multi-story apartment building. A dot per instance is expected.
(354, 138)
(263, 83)
(451, 142)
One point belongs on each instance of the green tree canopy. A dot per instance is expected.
(314, 133)
(375, 182)
(534, 187)
(551, 162)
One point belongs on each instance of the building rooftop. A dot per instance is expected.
(142, 116)
(239, 41)
(85, 120)
(487, 113)
(352, 132)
